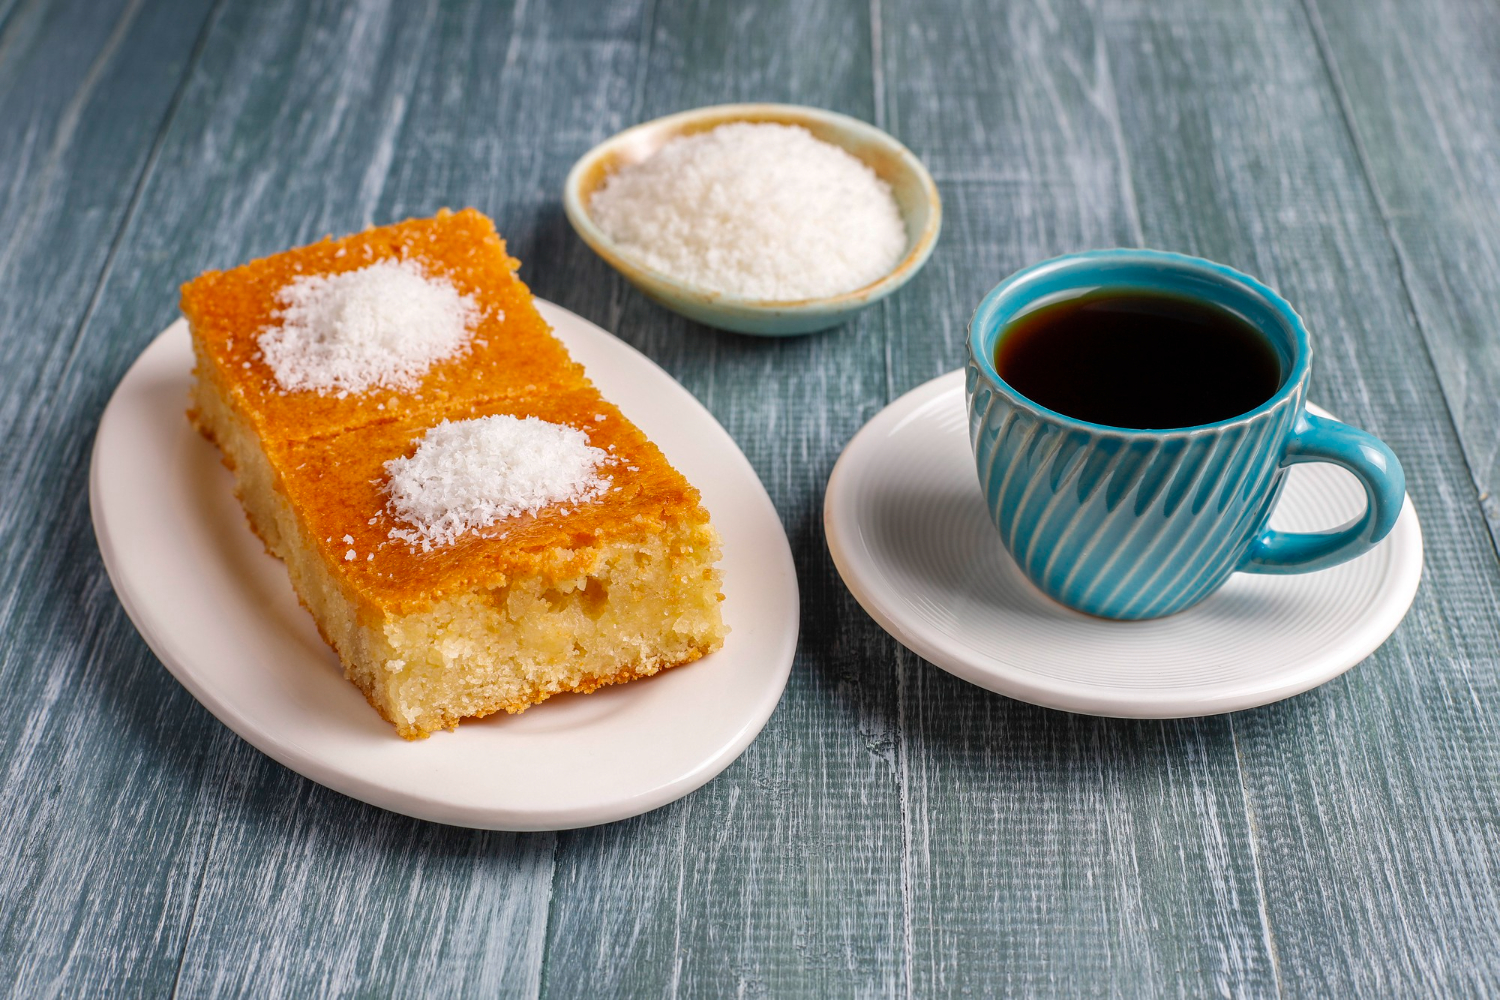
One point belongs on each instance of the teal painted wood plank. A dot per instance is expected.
(893, 830)
(102, 825)
(295, 124)
(1374, 798)
(783, 876)
(1421, 89)
(1049, 854)
(305, 894)
(84, 100)
(287, 130)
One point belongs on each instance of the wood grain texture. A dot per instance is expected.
(1048, 853)
(307, 894)
(892, 831)
(1375, 834)
(1420, 87)
(102, 818)
(782, 877)
(292, 126)
(259, 881)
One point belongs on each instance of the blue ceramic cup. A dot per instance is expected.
(1133, 524)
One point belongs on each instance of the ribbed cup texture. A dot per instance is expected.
(1125, 524)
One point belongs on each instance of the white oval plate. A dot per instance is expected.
(222, 616)
(908, 529)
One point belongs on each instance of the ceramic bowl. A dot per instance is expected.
(912, 185)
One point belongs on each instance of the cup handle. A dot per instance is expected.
(1319, 439)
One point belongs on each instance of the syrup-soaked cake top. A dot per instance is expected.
(411, 318)
(355, 496)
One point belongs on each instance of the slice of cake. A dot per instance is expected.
(472, 526)
(399, 320)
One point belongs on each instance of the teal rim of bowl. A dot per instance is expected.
(918, 251)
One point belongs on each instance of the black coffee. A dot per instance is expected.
(1138, 359)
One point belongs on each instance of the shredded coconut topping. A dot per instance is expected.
(470, 474)
(382, 325)
(755, 210)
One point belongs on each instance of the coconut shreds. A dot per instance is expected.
(757, 211)
(470, 474)
(382, 325)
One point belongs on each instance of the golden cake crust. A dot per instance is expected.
(511, 353)
(338, 488)
(570, 599)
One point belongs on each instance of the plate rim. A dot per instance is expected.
(1367, 635)
(283, 747)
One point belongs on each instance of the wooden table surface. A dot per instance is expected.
(893, 831)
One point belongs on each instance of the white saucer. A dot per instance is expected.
(223, 618)
(909, 532)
